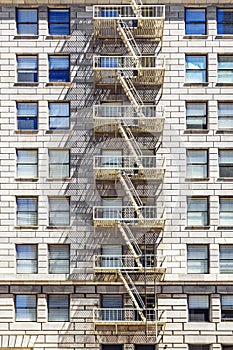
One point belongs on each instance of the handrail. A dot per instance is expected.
(128, 162)
(116, 11)
(124, 213)
(112, 62)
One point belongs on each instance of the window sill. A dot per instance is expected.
(197, 227)
(196, 84)
(225, 179)
(224, 84)
(59, 178)
(57, 131)
(195, 36)
(51, 37)
(224, 36)
(59, 83)
(193, 179)
(223, 131)
(196, 131)
(26, 227)
(225, 227)
(26, 131)
(33, 179)
(25, 83)
(50, 227)
(20, 36)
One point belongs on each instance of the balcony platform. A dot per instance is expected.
(147, 24)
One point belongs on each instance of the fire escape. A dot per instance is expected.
(133, 72)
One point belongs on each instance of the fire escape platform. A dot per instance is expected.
(148, 24)
(108, 168)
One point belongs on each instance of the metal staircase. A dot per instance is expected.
(136, 6)
(129, 41)
(133, 292)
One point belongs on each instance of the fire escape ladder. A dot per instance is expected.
(136, 6)
(133, 292)
(129, 41)
(131, 242)
(132, 193)
(131, 92)
(129, 138)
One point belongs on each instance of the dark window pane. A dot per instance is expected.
(27, 123)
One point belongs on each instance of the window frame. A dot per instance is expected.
(190, 164)
(35, 71)
(27, 259)
(222, 259)
(58, 164)
(58, 258)
(50, 103)
(204, 116)
(35, 164)
(225, 165)
(206, 311)
(225, 69)
(226, 319)
(224, 116)
(206, 198)
(230, 212)
(187, 70)
(50, 9)
(195, 22)
(33, 117)
(56, 70)
(67, 199)
(58, 308)
(27, 22)
(35, 199)
(206, 266)
(25, 308)
(223, 22)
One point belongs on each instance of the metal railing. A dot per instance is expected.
(128, 164)
(103, 315)
(127, 262)
(127, 63)
(126, 11)
(127, 213)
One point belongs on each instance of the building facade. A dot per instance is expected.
(116, 160)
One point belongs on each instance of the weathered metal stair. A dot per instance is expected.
(131, 242)
(131, 142)
(133, 292)
(136, 6)
(129, 41)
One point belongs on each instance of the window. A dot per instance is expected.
(195, 21)
(111, 158)
(196, 115)
(198, 308)
(112, 347)
(112, 208)
(59, 68)
(225, 69)
(59, 115)
(59, 164)
(196, 69)
(27, 69)
(110, 62)
(198, 211)
(227, 308)
(27, 21)
(27, 208)
(25, 308)
(27, 163)
(59, 258)
(226, 211)
(144, 347)
(111, 256)
(225, 21)
(197, 258)
(225, 115)
(26, 258)
(27, 114)
(226, 163)
(197, 164)
(226, 258)
(148, 257)
(59, 211)
(112, 307)
(199, 347)
(58, 308)
(59, 21)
